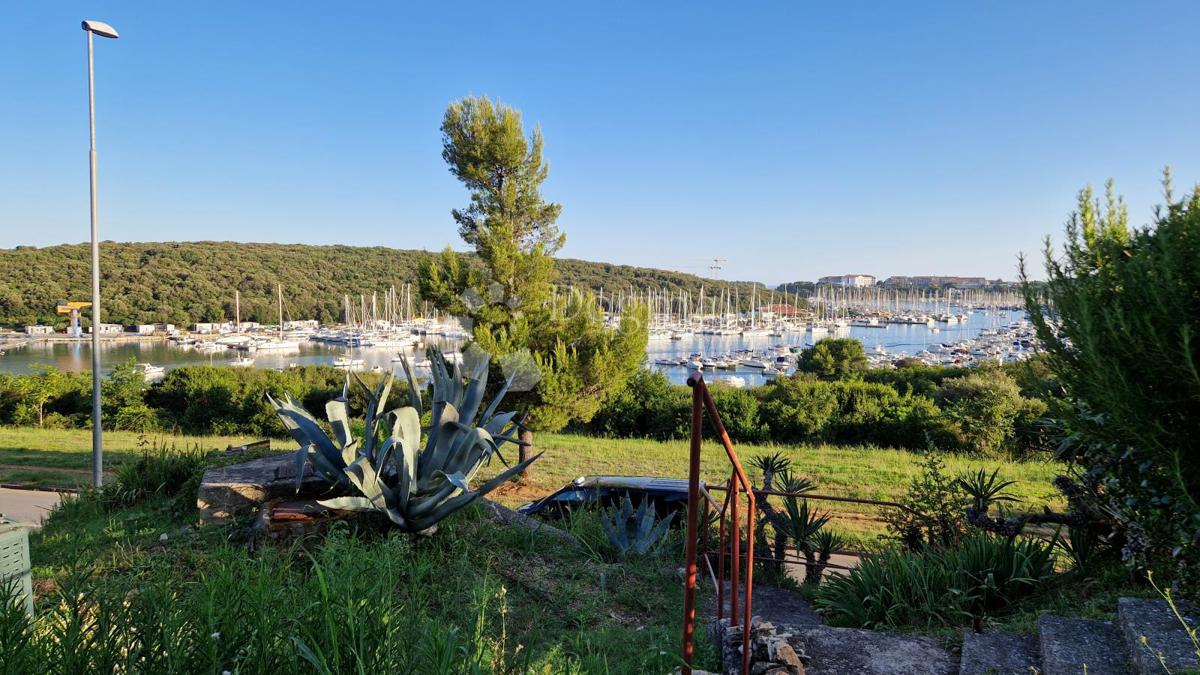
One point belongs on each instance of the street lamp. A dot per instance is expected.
(103, 30)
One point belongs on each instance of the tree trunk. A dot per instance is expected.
(524, 452)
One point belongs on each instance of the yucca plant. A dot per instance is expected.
(388, 469)
(638, 532)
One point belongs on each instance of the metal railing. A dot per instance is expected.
(702, 402)
(729, 526)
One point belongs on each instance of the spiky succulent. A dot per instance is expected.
(388, 469)
(638, 532)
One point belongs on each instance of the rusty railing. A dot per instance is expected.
(702, 402)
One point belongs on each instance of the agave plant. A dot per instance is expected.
(638, 532)
(389, 470)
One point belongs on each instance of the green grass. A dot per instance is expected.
(859, 472)
(62, 458)
(113, 595)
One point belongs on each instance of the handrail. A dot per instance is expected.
(702, 402)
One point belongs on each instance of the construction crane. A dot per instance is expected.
(715, 267)
(73, 308)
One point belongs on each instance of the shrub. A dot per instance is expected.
(985, 410)
(937, 587)
(833, 358)
(936, 503)
(1119, 315)
(647, 406)
(739, 413)
(800, 410)
(914, 377)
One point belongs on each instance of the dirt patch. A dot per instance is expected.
(517, 493)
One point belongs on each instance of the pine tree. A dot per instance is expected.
(554, 341)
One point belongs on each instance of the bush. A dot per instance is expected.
(936, 513)
(937, 587)
(648, 406)
(985, 410)
(833, 358)
(807, 411)
(1119, 316)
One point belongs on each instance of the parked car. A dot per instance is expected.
(668, 494)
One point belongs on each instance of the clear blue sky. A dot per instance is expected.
(796, 141)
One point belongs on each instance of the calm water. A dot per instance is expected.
(897, 339)
(77, 356)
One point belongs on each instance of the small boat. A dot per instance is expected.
(243, 362)
(347, 363)
(149, 371)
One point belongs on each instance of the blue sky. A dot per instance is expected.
(796, 141)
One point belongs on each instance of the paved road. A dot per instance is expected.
(27, 506)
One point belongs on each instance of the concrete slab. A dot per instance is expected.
(1079, 646)
(998, 654)
(852, 651)
(28, 507)
(1166, 644)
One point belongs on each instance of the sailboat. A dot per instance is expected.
(278, 344)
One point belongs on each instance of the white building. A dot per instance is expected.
(302, 324)
(142, 329)
(165, 327)
(849, 280)
(39, 330)
(108, 328)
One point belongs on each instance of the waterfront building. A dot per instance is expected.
(849, 280)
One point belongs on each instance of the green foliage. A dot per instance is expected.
(937, 587)
(114, 598)
(510, 302)
(647, 406)
(187, 282)
(387, 470)
(1119, 316)
(985, 410)
(159, 472)
(936, 505)
(635, 533)
(833, 358)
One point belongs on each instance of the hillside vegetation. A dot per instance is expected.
(185, 282)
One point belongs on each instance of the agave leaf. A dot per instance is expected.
(442, 438)
(348, 503)
(464, 456)
(362, 475)
(350, 452)
(506, 475)
(473, 396)
(496, 423)
(339, 420)
(414, 392)
(495, 404)
(300, 457)
(306, 430)
(406, 426)
(406, 475)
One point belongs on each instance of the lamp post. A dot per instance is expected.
(103, 30)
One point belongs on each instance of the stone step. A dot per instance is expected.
(1082, 647)
(852, 651)
(999, 653)
(1166, 643)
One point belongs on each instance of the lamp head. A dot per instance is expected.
(100, 28)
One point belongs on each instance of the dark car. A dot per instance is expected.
(669, 495)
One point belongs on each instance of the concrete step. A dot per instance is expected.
(999, 654)
(1082, 647)
(1155, 636)
(852, 651)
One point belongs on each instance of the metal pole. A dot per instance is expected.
(97, 434)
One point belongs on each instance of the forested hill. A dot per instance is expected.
(187, 282)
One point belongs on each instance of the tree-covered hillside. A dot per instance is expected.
(187, 282)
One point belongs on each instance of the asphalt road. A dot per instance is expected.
(27, 506)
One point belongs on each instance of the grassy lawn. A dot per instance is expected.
(860, 472)
(62, 458)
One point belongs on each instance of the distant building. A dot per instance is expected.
(108, 328)
(849, 280)
(205, 328)
(142, 329)
(769, 312)
(39, 330)
(936, 282)
(165, 327)
(303, 324)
